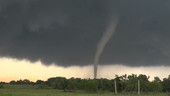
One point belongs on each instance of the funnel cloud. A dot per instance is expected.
(66, 32)
(102, 43)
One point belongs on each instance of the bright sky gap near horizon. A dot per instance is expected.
(44, 38)
(24, 69)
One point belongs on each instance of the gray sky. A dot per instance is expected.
(66, 32)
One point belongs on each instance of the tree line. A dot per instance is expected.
(125, 83)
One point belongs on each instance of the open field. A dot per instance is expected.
(27, 90)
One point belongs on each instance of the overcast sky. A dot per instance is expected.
(66, 33)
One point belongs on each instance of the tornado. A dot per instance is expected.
(103, 41)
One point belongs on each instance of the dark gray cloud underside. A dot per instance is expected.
(66, 32)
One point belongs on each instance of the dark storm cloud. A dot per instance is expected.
(66, 32)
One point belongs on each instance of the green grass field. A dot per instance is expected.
(26, 90)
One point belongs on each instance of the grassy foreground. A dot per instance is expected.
(26, 90)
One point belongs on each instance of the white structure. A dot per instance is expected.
(115, 86)
(138, 87)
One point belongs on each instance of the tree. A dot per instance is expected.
(26, 81)
(131, 83)
(42, 86)
(12, 82)
(58, 83)
(157, 79)
(144, 82)
(51, 82)
(72, 84)
(91, 85)
(1, 85)
(165, 84)
(119, 83)
(155, 86)
(104, 84)
(39, 82)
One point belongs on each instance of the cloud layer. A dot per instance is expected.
(67, 32)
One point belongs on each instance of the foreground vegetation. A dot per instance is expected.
(29, 90)
(60, 86)
(125, 83)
